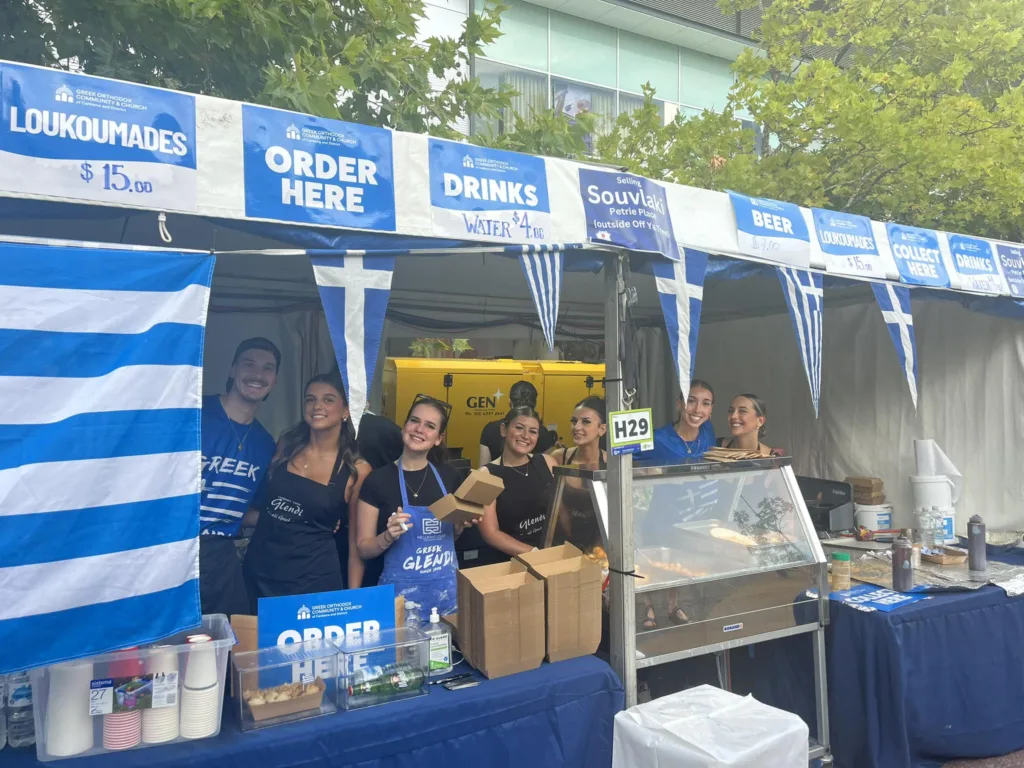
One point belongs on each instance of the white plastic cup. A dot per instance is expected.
(69, 727)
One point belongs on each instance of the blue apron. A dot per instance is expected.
(421, 562)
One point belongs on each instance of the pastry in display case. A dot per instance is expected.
(722, 552)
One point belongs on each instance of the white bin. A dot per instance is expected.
(706, 727)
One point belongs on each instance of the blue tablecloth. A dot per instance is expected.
(560, 715)
(933, 681)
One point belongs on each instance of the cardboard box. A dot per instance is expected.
(501, 618)
(572, 589)
(467, 503)
(866, 483)
(311, 700)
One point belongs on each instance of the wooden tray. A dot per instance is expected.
(949, 556)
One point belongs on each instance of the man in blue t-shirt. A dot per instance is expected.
(237, 451)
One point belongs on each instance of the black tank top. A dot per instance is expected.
(293, 550)
(585, 528)
(523, 506)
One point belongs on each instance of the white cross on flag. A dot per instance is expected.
(681, 293)
(804, 297)
(894, 301)
(354, 290)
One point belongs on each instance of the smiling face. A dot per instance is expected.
(587, 426)
(743, 418)
(521, 435)
(697, 408)
(323, 407)
(254, 374)
(422, 431)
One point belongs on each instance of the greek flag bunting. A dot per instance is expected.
(542, 266)
(804, 297)
(354, 289)
(894, 301)
(101, 355)
(680, 287)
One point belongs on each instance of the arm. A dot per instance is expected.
(356, 565)
(550, 461)
(370, 544)
(485, 455)
(495, 537)
(557, 455)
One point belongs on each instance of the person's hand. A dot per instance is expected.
(398, 524)
(460, 527)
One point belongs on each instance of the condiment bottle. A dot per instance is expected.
(977, 558)
(902, 565)
(840, 571)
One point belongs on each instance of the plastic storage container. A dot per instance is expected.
(162, 693)
(385, 666)
(840, 571)
(286, 683)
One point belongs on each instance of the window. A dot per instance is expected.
(572, 98)
(532, 88)
(630, 102)
(704, 81)
(524, 36)
(645, 60)
(582, 50)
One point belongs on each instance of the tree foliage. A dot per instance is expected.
(908, 110)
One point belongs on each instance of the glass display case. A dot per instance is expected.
(724, 554)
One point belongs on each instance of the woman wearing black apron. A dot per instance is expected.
(394, 520)
(313, 478)
(515, 523)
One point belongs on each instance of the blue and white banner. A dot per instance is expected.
(317, 171)
(868, 597)
(771, 230)
(894, 301)
(627, 210)
(64, 135)
(918, 256)
(101, 355)
(974, 264)
(488, 194)
(848, 244)
(354, 289)
(681, 293)
(543, 269)
(804, 297)
(1011, 260)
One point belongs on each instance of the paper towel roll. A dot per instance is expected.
(932, 461)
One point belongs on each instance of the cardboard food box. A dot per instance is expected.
(468, 502)
(501, 618)
(572, 588)
(310, 700)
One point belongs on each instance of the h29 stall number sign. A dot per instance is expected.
(631, 431)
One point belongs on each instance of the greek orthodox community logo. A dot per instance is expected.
(292, 132)
(303, 613)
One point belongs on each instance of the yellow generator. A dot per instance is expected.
(478, 391)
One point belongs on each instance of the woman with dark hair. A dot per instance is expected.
(393, 518)
(314, 478)
(747, 416)
(690, 436)
(588, 427)
(515, 522)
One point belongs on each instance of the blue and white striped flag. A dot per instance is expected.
(354, 289)
(804, 297)
(101, 355)
(542, 266)
(894, 301)
(681, 292)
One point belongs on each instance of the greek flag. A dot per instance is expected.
(804, 298)
(681, 292)
(354, 289)
(101, 355)
(542, 266)
(894, 301)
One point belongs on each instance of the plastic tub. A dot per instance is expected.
(874, 517)
(135, 698)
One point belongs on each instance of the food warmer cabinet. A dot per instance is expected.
(725, 555)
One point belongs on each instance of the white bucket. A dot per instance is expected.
(874, 517)
(932, 491)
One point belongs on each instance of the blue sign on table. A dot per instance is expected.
(772, 230)
(490, 194)
(332, 615)
(850, 241)
(917, 255)
(868, 597)
(627, 210)
(85, 138)
(317, 171)
(1011, 259)
(975, 263)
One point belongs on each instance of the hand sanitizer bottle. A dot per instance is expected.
(440, 645)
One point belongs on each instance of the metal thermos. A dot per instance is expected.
(977, 559)
(902, 565)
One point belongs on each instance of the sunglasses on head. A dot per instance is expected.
(445, 408)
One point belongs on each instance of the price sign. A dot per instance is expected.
(631, 431)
